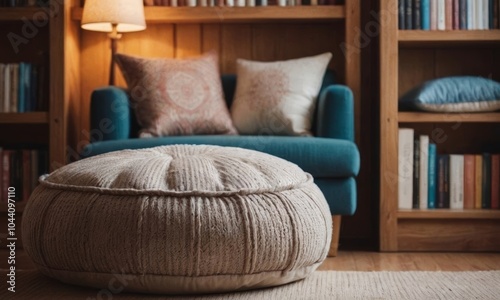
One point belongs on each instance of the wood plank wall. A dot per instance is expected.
(265, 42)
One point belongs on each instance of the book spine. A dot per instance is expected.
(440, 187)
(6, 95)
(149, 2)
(478, 182)
(495, 181)
(470, 15)
(456, 14)
(425, 14)
(416, 173)
(448, 15)
(486, 183)
(496, 13)
(417, 24)
(486, 14)
(463, 14)
(441, 12)
(456, 181)
(405, 168)
(409, 14)
(2, 87)
(478, 14)
(239, 3)
(431, 194)
(424, 171)
(446, 200)
(20, 98)
(14, 88)
(469, 177)
(401, 15)
(434, 14)
(6, 171)
(491, 14)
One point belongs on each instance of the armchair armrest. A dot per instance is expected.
(110, 116)
(335, 117)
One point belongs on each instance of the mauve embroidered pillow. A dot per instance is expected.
(176, 96)
(279, 97)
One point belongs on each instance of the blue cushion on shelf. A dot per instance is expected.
(454, 94)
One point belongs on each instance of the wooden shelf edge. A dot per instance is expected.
(18, 13)
(423, 117)
(160, 14)
(448, 214)
(24, 118)
(440, 36)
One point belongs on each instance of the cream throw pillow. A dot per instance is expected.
(277, 98)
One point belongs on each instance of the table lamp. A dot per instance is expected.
(115, 17)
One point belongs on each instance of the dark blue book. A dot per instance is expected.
(417, 21)
(20, 87)
(425, 13)
(491, 11)
(486, 183)
(431, 199)
(401, 15)
(463, 14)
(409, 14)
(416, 174)
(443, 194)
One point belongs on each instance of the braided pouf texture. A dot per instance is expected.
(176, 220)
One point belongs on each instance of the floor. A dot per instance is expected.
(366, 261)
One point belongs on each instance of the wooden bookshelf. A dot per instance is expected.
(160, 14)
(422, 117)
(18, 13)
(407, 59)
(24, 118)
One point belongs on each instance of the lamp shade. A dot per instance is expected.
(128, 15)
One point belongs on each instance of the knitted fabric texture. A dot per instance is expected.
(178, 219)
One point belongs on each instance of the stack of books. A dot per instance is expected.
(21, 88)
(458, 181)
(239, 3)
(21, 169)
(449, 14)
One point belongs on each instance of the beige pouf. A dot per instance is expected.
(178, 219)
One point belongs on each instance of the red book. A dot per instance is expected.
(448, 15)
(149, 2)
(495, 179)
(469, 181)
(6, 154)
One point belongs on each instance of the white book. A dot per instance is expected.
(263, 3)
(14, 86)
(424, 172)
(470, 14)
(229, 3)
(441, 15)
(283, 2)
(405, 168)
(240, 3)
(456, 181)
(6, 90)
(191, 3)
(486, 14)
(478, 10)
(2, 85)
(250, 3)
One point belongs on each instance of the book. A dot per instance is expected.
(6, 90)
(149, 2)
(409, 14)
(478, 11)
(2, 86)
(425, 14)
(495, 181)
(401, 15)
(478, 182)
(471, 23)
(14, 79)
(443, 200)
(463, 14)
(441, 23)
(469, 177)
(417, 24)
(239, 3)
(486, 182)
(448, 14)
(432, 177)
(456, 14)
(486, 15)
(456, 181)
(416, 173)
(433, 13)
(424, 171)
(405, 168)
(496, 13)
(6, 159)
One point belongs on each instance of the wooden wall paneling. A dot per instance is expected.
(457, 61)
(187, 40)
(211, 38)
(415, 67)
(268, 42)
(236, 43)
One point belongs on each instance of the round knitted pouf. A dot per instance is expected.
(178, 219)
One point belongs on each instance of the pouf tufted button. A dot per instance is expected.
(178, 219)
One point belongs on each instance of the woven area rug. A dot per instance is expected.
(321, 285)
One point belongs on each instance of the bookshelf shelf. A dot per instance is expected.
(18, 13)
(449, 214)
(420, 117)
(24, 118)
(415, 37)
(161, 14)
